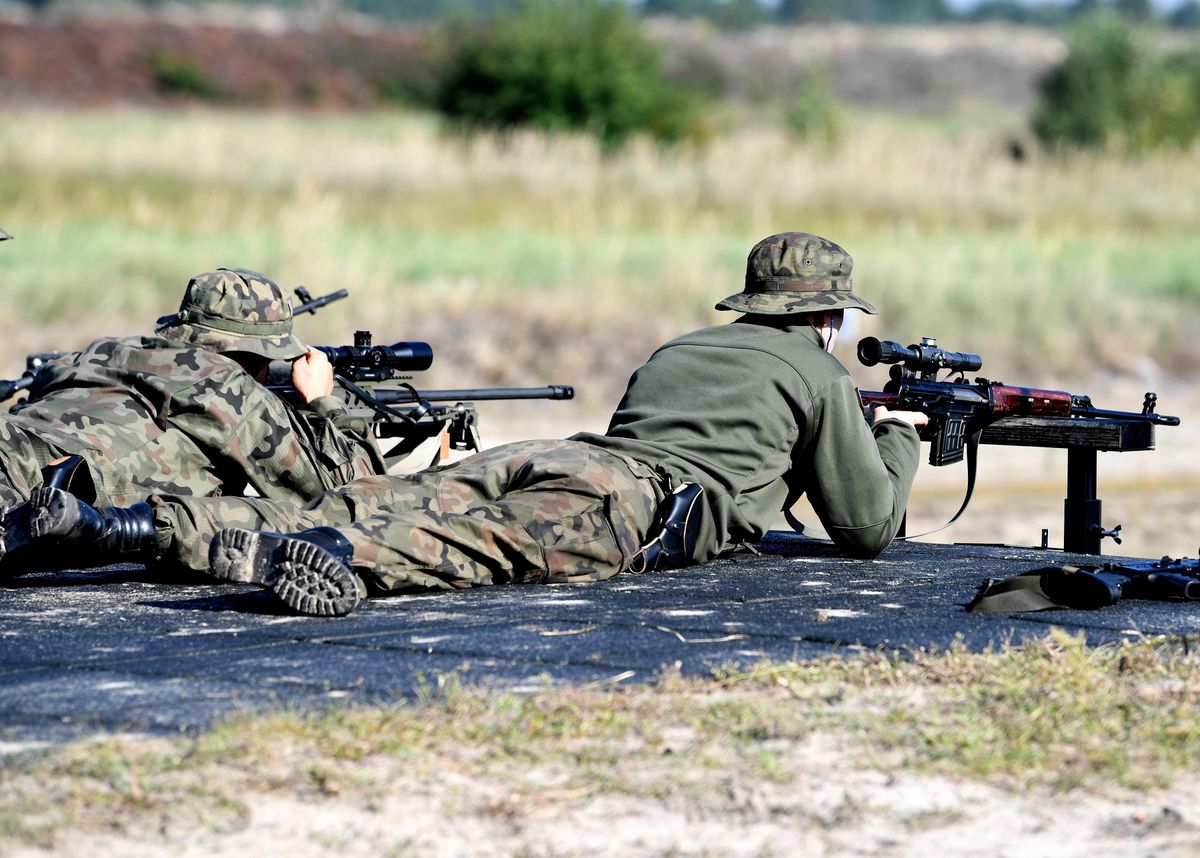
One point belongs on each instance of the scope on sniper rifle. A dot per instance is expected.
(366, 362)
(925, 357)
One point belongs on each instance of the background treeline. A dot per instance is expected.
(733, 13)
(599, 67)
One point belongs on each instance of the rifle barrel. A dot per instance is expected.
(9, 388)
(1158, 419)
(314, 304)
(476, 394)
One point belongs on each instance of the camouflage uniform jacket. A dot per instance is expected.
(758, 413)
(152, 415)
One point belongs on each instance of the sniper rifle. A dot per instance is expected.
(365, 363)
(959, 411)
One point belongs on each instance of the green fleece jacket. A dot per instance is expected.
(758, 413)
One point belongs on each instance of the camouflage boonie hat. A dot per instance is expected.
(234, 310)
(796, 272)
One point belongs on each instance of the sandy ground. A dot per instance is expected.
(830, 808)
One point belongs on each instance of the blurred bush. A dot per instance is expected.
(813, 114)
(564, 65)
(181, 76)
(1112, 92)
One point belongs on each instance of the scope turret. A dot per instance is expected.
(925, 357)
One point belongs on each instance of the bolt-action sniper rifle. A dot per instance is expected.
(367, 364)
(959, 410)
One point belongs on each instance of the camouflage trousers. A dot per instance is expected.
(22, 456)
(530, 512)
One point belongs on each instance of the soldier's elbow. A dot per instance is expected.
(865, 543)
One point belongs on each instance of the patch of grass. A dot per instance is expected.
(1054, 714)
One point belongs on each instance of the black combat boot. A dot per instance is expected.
(310, 571)
(55, 530)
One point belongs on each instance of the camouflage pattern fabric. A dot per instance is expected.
(20, 464)
(797, 272)
(150, 415)
(530, 512)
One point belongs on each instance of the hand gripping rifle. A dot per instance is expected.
(959, 410)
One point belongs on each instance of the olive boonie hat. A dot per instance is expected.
(797, 272)
(234, 310)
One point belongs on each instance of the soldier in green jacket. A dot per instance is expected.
(717, 433)
(185, 412)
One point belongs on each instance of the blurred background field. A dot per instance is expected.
(527, 256)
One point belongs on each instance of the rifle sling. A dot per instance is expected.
(972, 444)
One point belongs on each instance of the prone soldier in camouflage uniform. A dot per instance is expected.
(184, 412)
(755, 413)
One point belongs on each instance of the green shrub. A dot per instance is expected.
(813, 115)
(180, 76)
(564, 64)
(1111, 92)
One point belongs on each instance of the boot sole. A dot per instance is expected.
(52, 512)
(305, 578)
(49, 512)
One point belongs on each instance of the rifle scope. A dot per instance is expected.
(926, 357)
(398, 357)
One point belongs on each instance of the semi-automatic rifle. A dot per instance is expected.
(1165, 580)
(1086, 587)
(959, 411)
